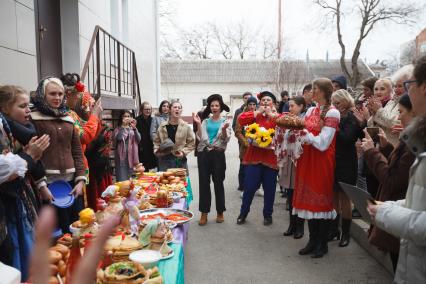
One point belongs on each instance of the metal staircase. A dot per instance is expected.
(110, 72)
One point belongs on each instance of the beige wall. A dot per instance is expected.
(132, 21)
(18, 61)
(192, 95)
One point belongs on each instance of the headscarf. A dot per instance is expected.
(82, 106)
(75, 89)
(39, 100)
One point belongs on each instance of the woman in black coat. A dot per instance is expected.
(146, 147)
(346, 164)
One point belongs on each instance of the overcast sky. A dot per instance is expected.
(300, 26)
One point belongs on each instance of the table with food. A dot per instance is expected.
(148, 245)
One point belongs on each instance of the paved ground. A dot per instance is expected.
(253, 253)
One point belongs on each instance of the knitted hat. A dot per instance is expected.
(341, 81)
(252, 100)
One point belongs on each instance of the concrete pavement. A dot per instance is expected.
(253, 253)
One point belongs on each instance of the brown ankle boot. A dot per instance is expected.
(203, 219)
(220, 218)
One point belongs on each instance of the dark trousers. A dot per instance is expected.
(241, 177)
(254, 176)
(211, 164)
(394, 257)
(290, 199)
(170, 161)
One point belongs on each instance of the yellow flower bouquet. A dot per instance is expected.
(259, 136)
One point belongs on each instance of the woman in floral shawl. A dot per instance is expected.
(87, 120)
(288, 148)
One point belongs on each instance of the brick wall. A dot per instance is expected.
(421, 43)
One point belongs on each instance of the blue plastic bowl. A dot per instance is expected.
(61, 193)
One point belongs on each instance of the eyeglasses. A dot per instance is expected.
(407, 84)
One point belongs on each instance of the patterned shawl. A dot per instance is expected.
(39, 101)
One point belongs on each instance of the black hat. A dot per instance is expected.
(210, 99)
(269, 94)
(217, 97)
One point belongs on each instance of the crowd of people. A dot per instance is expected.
(374, 140)
(58, 133)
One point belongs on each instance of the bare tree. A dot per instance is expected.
(169, 50)
(243, 39)
(268, 48)
(215, 41)
(198, 42)
(291, 75)
(222, 39)
(408, 52)
(168, 46)
(371, 13)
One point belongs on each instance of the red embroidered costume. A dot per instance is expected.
(313, 195)
(256, 155)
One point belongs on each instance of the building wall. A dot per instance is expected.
(132, 22)
(192, 94)
(18, 61)
(421, 43)
(143, 39)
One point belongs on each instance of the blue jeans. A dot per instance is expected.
(254, 176)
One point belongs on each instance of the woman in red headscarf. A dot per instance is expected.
(87, 115)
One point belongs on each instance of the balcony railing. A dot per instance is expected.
(110, 72)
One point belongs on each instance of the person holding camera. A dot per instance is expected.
(126, 140)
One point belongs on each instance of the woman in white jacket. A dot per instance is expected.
(385, 110)
(406, 218)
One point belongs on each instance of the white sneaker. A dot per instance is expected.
(260, 192)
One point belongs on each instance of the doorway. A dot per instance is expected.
(48, 31)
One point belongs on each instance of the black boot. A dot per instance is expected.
(267, 221)
(313, 233)
(291, 226)
(321, 247)
(334, 232)
(346, 227)
(241, 219)
(299, 229)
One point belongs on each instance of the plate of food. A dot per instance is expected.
(170, 224)
(176, 215)
(128, 272)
